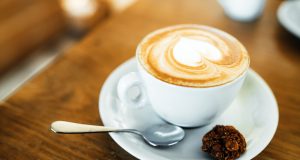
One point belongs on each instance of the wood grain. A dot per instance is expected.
(68, 90)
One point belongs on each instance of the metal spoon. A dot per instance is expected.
(162, 135)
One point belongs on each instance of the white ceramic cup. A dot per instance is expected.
(243, 10)
(179, 105)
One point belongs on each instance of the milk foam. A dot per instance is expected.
(193, 56)
(190, 52)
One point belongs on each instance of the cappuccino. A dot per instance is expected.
(193, 56)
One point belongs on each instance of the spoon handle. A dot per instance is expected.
(75, 128)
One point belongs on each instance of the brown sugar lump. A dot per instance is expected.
(224, 143)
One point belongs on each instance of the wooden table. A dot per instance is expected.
(69, 88)
(39, 21)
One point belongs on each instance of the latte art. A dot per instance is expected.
(193, 56)
(191, 52)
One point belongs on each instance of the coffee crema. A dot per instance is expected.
(193, 56)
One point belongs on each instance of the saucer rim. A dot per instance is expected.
(126, 147)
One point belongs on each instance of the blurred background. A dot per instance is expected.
(33, 33)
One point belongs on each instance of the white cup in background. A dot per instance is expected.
(243, 10)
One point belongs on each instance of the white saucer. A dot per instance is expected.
(254, 113)
(289, 16)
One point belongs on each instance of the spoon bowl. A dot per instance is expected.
(163, 135)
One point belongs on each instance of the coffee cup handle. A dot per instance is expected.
(126, 83)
